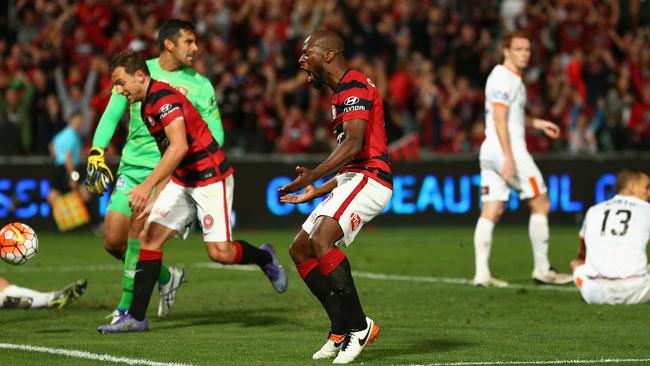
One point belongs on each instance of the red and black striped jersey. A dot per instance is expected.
(205, 162)
(356, 97)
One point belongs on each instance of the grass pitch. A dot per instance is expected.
(410, 281)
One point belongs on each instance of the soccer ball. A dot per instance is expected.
(18, 243)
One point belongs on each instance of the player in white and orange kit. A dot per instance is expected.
(612, 265)
(506, 164)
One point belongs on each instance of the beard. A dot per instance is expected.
(318, 80)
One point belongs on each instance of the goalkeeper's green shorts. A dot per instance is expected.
(128, 176)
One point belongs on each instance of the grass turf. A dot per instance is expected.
(231, 317)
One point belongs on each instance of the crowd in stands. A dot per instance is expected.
(589, 73)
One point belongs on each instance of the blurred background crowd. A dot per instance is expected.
(589, 73)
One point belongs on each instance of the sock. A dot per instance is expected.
(482, 247)
(324, 292)
(146, 275)
(128, 275)
(248, 254)
(335, 267)
(539, 235)
(39, 299)
(165, 276)
(117, 254)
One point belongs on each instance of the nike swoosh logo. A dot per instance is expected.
(131, 274)
(363, 340)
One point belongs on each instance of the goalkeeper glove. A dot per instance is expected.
(98, 174)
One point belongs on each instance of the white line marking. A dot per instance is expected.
(89, 356)
(553, 362)
(455, 281)
(253, 268)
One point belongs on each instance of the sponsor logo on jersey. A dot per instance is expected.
(340, 137)
(370, 82)
(355, 221)
(208, 221)
(500, 95)
(166, 109)
(329, 197)
(351, 100)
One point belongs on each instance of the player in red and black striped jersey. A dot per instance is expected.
(360, 190)
(205, 162)
(201, 185)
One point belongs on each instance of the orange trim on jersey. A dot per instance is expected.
(533, 183)
(500, 104)
(579, 282)
(512, 71)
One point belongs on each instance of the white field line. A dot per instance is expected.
(552, 362)
(253, 268)
(89, 356)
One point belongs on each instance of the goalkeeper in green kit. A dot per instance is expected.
(140, 155)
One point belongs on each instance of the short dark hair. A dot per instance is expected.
(627, 176)
(171, 29)
(131, 61)
(507, 39)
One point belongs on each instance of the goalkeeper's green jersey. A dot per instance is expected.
(140, 149)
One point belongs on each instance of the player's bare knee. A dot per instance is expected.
(540, 205)
(299, 248)
(318, 245)
(221, 252)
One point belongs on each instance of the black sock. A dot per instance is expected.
(330, 300)
(146, 275)
(118, 254)
(248, 254)
(340, 278)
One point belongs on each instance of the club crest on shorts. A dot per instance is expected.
(121, 183)
(485, 190)
(208, 221)
(355, 220)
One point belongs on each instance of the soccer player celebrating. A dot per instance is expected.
(506, 164)
(201, 184)
(360, 190)
(177, 41)
(612, 265)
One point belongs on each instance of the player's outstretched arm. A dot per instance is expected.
(354, 131)
(310, 192)
(549, 128)
(98, 174)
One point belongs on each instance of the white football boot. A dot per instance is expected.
(355, 342)
(168, 291)
(331, 347)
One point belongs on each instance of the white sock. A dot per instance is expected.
(539, 235)
(482, 246)
(39, 299)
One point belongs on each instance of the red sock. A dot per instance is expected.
(307, 266)
(330, 260)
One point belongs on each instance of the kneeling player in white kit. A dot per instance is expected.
(506, 164)
(612, 266)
